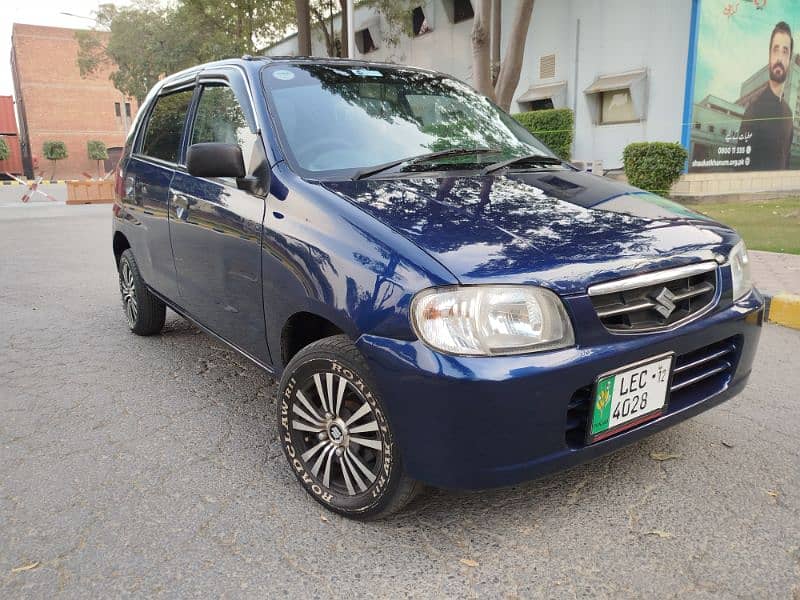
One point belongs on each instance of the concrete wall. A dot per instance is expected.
(55, 103)
(613, 36)
(589, 39)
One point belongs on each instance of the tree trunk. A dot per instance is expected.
(481, 62)
(497, 11)
(303, 27)
(329, 43)
(345, 33)
(510, 69)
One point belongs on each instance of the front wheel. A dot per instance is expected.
(336, 435)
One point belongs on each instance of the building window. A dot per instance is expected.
(618, 97)
(462, 10)
(616, 106)
(128, 109)
(697, 125)
(364, 41)
(541, 104)
(419, 24)
(711, 129)
(723, 132)
(117, 109)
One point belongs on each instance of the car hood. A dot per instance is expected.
(562, 229)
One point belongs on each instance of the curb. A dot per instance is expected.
(783, 309)
(29, 183)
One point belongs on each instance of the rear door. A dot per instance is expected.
(148, 174)
(215, 227)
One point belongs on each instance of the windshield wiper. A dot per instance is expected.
(535, 159)
(362, 173)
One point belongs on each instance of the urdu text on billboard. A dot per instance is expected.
(746, 99)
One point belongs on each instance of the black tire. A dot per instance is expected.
(144, 312)
(356, 469)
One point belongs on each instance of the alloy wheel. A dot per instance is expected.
(127, 288)
(337, 431)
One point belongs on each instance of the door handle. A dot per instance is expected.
(181, 204)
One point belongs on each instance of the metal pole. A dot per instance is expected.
(351, 34)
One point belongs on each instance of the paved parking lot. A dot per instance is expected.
(151, 467)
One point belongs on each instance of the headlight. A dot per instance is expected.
(740, 270)
(490, 320)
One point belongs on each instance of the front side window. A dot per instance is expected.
(220, 119)
(335, 118)
(164, 131)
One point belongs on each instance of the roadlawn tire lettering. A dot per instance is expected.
(288, 399)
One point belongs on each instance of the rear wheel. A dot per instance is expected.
(336, 434)
(145, 313)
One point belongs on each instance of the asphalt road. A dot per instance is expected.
(151, 467)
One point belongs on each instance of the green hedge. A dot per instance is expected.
(654, 166)
(555, 127)
(4, 151)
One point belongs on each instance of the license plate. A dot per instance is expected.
(629, 396)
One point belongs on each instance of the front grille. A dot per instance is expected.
(697, 375)
(655, 300)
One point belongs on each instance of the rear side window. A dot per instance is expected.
(164, 131)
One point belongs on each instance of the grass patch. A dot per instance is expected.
(772, 225)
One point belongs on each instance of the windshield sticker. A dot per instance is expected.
(367, 73)
(283, 75)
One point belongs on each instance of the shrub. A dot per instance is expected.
(4, 150)
(97, 151)
(54, 151)
(555, 127)
(654, 166)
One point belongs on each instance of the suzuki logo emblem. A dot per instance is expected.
(665, 302)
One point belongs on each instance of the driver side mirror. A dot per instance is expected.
(215, 159)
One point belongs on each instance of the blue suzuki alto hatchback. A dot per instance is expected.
(444, 301)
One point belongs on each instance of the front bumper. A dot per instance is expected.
(479, 422)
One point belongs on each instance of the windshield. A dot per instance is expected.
(337, 120)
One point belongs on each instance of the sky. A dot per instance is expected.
(40, 12)
(731, 48)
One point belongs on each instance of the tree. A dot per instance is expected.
(54, 151)
(501, 90)
(147, 40)
(320, 14)
(5, 152)
(303, 18)
(97, 151)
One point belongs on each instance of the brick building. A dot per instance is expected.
(55, 103)
(9, 132)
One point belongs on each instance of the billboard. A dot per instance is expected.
(745, 87)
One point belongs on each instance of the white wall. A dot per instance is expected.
(615, 36)
(446, 48)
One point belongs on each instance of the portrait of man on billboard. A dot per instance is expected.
(745, 87)
(767, 123)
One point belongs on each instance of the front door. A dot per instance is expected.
(215, 229)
